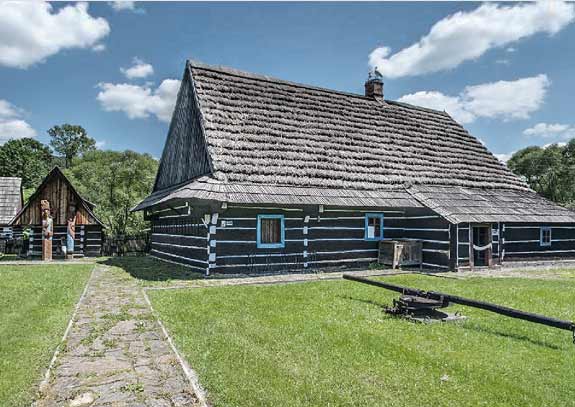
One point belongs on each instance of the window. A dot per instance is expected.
(545, 236)
(374, 226)
(271, 231)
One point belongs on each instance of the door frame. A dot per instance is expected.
(489, 253)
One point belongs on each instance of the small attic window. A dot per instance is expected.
(545, 236)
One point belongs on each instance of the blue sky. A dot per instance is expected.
(504, 70)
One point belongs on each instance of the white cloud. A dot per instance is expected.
(30, 31)
(140, 101)
(99, 48)
(438, 101)
(560, 144)
(100, 143)
(125, 6)
(139, 69)
(504, 99)
(503, 61)
(504, 157)
(546, 130)
(551, 130)
(11, 124)
(466, 36)
(7, 110)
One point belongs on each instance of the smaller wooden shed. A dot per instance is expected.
(60, 192)
(10, 203)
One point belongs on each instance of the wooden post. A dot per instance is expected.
(82, 240)
(471, 260)
(490, 250)
(453, 247)
(47, 230)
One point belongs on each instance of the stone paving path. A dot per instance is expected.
(115, 354)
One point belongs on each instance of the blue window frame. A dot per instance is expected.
(373, 226)
(545, 236)
(271, 231)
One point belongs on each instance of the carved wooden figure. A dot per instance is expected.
(70, 232)
(47, 230)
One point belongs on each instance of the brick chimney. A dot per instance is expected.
(374, 85)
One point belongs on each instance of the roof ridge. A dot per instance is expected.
(266, 78)
(272, 79)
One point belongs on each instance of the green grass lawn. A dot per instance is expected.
(36, 303)
(330, 344)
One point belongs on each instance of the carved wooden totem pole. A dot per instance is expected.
(71, 231)
(47, 230)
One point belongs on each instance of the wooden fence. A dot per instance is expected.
(134, 245)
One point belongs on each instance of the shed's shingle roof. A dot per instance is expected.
(264, 130)
(459, 204)
(10, 198)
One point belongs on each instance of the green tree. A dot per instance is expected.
(549, 171)
(115, 181)
(70, 141)
(25, 158)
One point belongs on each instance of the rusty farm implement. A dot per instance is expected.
(419, 305)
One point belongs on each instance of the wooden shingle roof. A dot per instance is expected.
(247, 138)
(264, 130)
(10, 198)
(460, 204)
(208, 189)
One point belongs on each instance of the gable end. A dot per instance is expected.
(185, 155)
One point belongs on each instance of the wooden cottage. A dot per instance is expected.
(10, 203)
(63, 198)
(262, 175)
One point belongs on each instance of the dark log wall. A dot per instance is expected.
(225, 242)
(181, 240)
(236, 249)
(87, 242)
(185, 155)
(331, 239)
(426, 226)
(521, 241)
(92, 240)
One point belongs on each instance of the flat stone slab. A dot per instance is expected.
(115, 354)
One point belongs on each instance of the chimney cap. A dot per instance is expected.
(374, 85)
(374, 75)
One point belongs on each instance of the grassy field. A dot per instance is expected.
(330, 344)
(36, 303)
